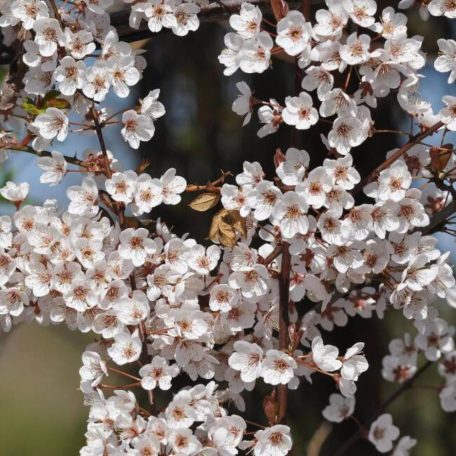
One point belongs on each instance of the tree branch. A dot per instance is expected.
(284, 321)
(44, 153)
(414, 140)
(104, 151)
(440, 218)
(363, 428)
(214, 12)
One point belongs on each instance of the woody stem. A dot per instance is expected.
(284, 320)
(398, 154)
(104, 150)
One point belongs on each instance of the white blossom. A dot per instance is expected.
(274, 440)
(54, 168)
(382, 433)
(126, 348)
(293, 33)
(339, 408)
(52, 124)
(136, 128)
(158, 373)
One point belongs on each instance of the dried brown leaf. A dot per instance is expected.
(227, 235)
(205, 201)
(238, 223)
(440, 157)
(226, 227)
(143, 166)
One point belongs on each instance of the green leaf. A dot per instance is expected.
(52, 100)
(30, 107)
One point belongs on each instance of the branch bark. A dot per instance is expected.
(414, 140)
(214, 12)
(284, 321)
(104, 150)
(29, 150)
(440, 218)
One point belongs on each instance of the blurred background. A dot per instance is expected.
(41, 411)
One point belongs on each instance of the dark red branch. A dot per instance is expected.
(284, 321)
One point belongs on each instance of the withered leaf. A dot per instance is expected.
(226, 235)
(226, 226)
(238, 223)
(440, 157)
(143, 166)
(205, 201)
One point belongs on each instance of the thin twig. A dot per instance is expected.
(125, 374)
(213, 12)
(55, 10)
(439, 218)
(398, 154)
(272, 256)
(104, 150)
(44, 153)
(363, 428)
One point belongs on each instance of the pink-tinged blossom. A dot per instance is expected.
(158, 373)
(339, 409)
(382, 433)
(53, 123)
(135, 245)
(247, 359)
(136, 128)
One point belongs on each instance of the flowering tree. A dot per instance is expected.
(289, 257)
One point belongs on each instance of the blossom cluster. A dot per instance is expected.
(301, 256)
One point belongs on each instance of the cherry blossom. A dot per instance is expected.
(448, 114)
(242, 105)
(325, 357)
(69, 75)
(300, 112)
(83, 198)
(15, 192)
(48, 36)
(293, 33)
(54, 168)
(339, 408)
(277, 367)
(52, 124)
(135, 245)
(126, 348)
(274, 441)
(299, 245)
(247, 22)
(247, 358)
(121, 186)
(158, 373)
(382, 433)
(137, 128)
